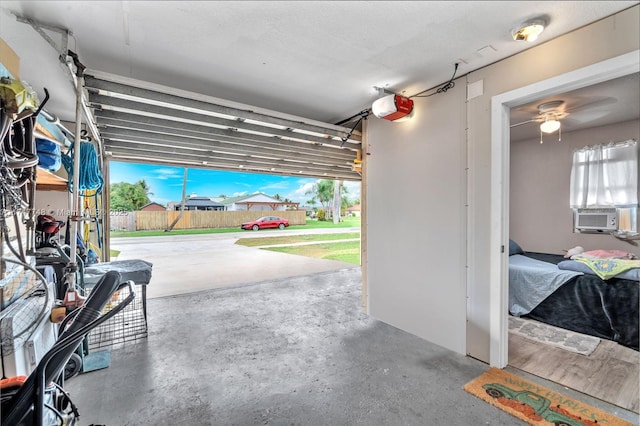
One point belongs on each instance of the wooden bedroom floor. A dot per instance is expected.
(610, 373)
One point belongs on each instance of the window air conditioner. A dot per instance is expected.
(600, 220)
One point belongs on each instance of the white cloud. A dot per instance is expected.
(300, 195)
(353, 189)
(164, 174)
(275, 186)
(239, 194)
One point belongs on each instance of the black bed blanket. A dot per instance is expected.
(589, 305)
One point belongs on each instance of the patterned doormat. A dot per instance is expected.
(554, 336)
(535, 404)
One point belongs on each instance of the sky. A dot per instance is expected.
(166, 183)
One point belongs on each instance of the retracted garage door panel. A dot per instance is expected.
(147, 123)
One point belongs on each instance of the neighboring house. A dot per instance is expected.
(153, 207)
(196, 203)
(354, 210)
(257, 202)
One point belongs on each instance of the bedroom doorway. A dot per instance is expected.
(500, 140)
(500, 205)
(540, 221)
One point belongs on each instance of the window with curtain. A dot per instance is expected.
(604, 176)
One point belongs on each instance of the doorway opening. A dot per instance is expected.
(500, 140)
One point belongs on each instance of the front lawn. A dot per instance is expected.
(292, 239)
(348, 251)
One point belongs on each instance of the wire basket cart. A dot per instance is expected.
(130, 324)
(127, 326)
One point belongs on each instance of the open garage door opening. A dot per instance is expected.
(208, 246)
(188, 136)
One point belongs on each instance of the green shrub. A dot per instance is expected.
(321, 215)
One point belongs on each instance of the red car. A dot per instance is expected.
(266, 222)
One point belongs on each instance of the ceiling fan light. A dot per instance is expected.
(529, 31)
(549, 126)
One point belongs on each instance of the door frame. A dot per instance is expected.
(609, 69)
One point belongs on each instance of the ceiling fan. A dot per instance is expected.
(549, 115)
(563, 114)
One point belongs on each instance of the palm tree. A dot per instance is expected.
(145, 187)
(322, 191)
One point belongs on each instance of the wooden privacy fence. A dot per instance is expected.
(153, 221)
(123, 221)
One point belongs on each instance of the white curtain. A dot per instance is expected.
(605, 176)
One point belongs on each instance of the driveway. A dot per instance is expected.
(191, 263)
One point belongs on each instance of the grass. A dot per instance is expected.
(267, 241)
(348, 251)
(346, 222)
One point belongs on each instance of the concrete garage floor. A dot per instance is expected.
(294, 351)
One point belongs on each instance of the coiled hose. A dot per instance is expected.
(90, 177)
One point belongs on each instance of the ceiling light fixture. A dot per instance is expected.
(393, 108)
(549, 126)
(530, 30)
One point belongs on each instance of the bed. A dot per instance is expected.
(572, 299)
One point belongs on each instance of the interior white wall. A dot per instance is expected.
(422, 265)
(54, 203)
(416, 220)
(540, 219)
